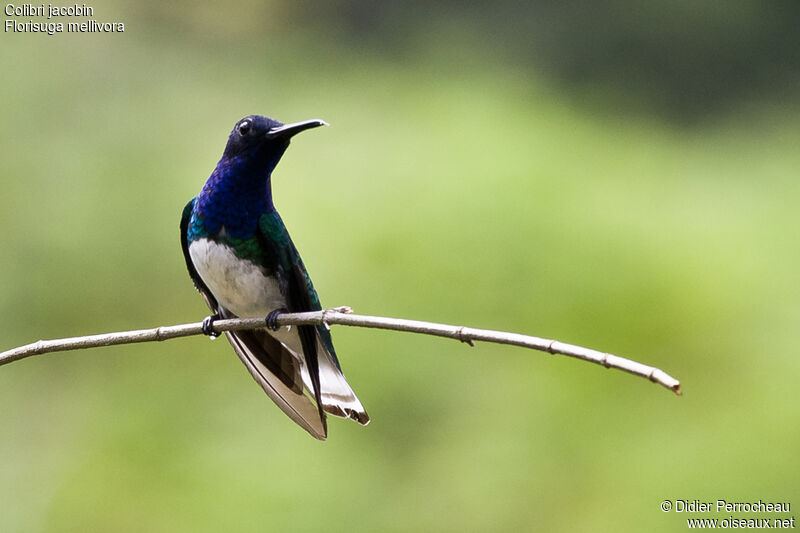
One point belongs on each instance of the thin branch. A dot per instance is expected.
(342, 316)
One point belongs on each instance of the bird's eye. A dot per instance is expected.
(244, 127)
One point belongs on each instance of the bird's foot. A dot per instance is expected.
(272, 318)
(208, 326)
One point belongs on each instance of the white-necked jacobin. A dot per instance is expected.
(244, 264)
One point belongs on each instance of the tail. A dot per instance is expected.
(280, 374)
(338, 398)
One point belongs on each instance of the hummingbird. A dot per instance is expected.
(244, 264)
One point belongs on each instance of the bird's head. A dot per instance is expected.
(263, 138)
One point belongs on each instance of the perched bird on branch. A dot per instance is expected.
(244, 264)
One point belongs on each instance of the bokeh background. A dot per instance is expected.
(618, 175)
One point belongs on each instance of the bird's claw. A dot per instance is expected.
(272, 319)
(208, 326)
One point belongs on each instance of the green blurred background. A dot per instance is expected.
(617, 175)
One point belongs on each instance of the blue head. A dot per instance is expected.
(259, 141)
(238, 190)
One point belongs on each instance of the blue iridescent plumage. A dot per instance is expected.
(234, 196)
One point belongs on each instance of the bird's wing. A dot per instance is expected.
(278, 373)
(186, 217)
(275, 240)
(270, 363)
(331, 389)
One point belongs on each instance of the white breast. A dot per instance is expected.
(238, 285)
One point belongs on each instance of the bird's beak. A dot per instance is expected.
(290, 130)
